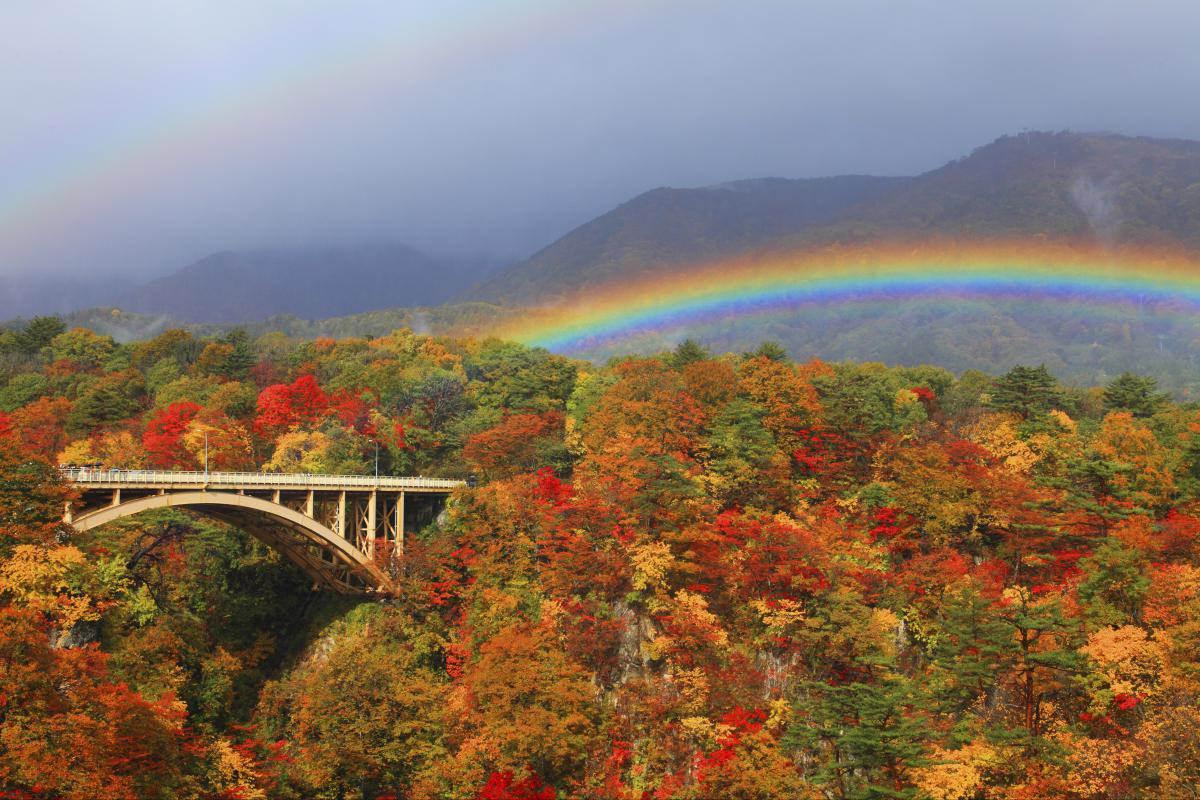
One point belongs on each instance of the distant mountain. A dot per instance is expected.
(236, 287)
(1087, 186)
(1068, 185)
(673, 226)
(1096, 187)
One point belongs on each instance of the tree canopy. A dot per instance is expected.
(682, 576)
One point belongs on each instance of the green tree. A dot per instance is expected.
(689, 351)
(969, 648)
(83, 347)
(967, 392)
(773, 351)
(1046, 654)
(38, 334)
(869, 736)
(507, 375)
(111, 399)
(861, 399)
(1134, 393)
(1028, 391)
(241, 357)
(1114, 584)
(164, 371)
(22, 389)
(740, 456)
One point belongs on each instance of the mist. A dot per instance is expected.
(140, 137)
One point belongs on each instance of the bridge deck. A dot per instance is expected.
(163, 479)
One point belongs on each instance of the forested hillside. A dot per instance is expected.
(1076, 185)
(669, 226)
(681, 576)
(1027, 188)
(1081, 346)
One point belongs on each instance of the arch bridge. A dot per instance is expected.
(339, 529)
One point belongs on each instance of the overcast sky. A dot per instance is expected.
(138, 136)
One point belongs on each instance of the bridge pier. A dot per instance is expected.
(400, 524)
(372, 522)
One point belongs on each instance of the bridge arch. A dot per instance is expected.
(329, 559)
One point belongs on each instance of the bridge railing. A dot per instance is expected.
(100, 475)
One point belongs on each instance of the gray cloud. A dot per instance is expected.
(497, 126)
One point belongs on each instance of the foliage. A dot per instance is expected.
(680, 577)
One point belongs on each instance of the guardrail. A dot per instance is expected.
(99, 475)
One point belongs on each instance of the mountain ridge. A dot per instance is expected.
(1098, 186)
(316, 282)
(699, 223)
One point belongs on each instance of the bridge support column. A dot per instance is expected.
(372, 521)
(310, 505)
(116, 500)
(68, 514)
(341, 515)
(400, 524)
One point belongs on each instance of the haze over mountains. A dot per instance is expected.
(238, 287)
(1065, 185)
(1092, 187)
(677, 226)
(234, 287)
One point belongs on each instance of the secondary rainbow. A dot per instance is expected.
(51, 189)
(1122, 278)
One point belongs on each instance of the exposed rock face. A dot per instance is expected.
(82, 633)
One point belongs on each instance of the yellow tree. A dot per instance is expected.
(524, 704)
(227, 442)
(1148, 478)
(786, 393)
(300, 452)
(367, 713)
(120, 449)
(641, 440)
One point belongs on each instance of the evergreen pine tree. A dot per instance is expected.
(38, 333)
(1134, 393)
(870, 736)
(241, 359)
(1028, 391)
(772, 350)
(689, 351)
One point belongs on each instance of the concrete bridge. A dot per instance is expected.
(340, 529)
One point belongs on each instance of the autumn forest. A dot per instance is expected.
(684, 576)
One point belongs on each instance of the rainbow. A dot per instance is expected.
(854, 277)
(51, 189)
